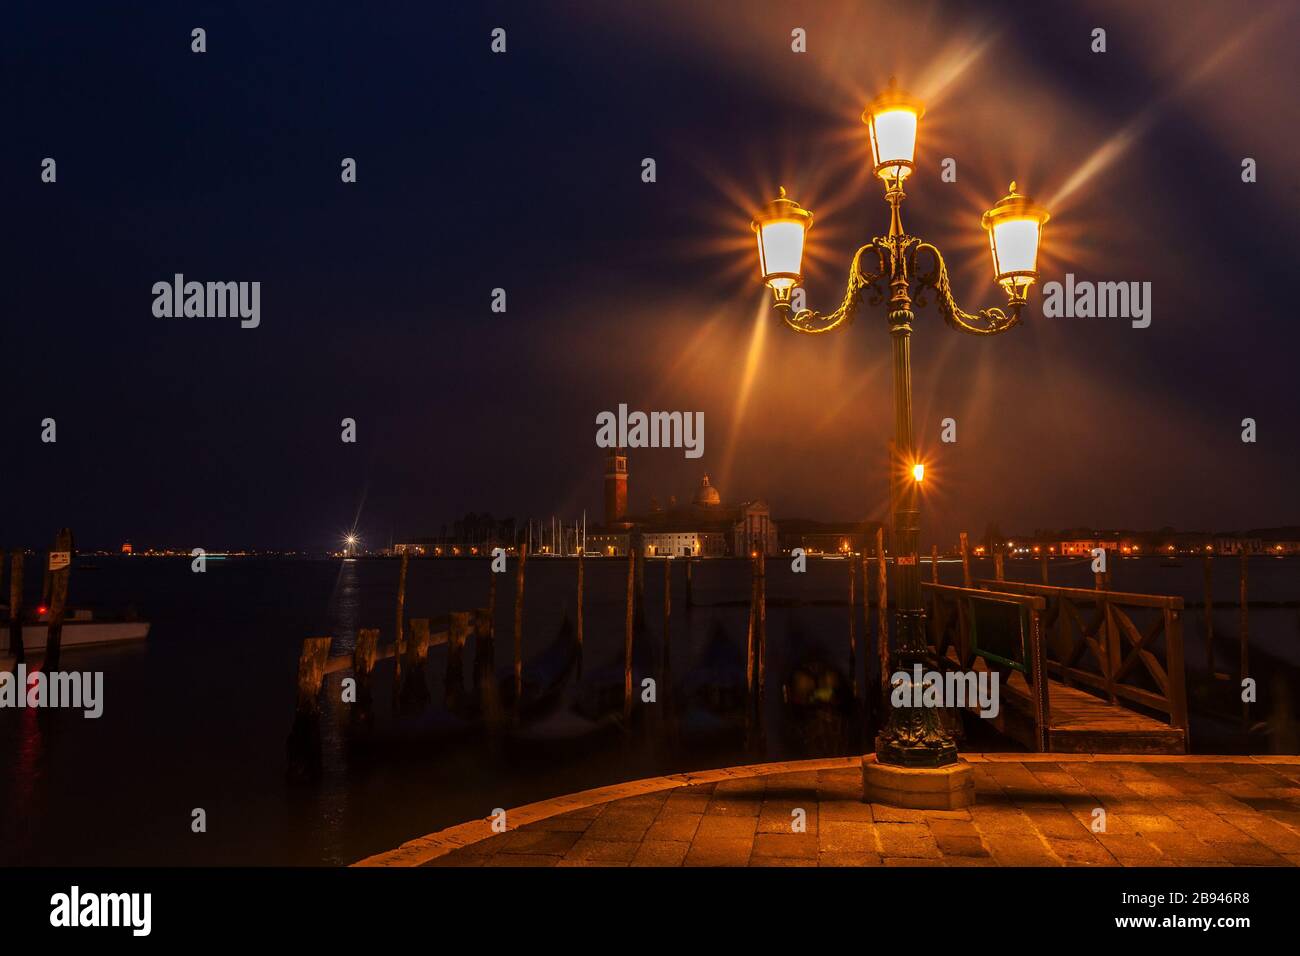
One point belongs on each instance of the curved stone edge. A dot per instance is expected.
(433, 845)
(421, 850)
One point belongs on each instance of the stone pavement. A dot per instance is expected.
(1031, 810)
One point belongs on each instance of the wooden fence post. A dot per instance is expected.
(59, 566)
(1174, 668)
(627, 632)
(1039, 683)
(16, 606)
(519, 622)
(965, 560)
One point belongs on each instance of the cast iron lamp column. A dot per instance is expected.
(912, 736)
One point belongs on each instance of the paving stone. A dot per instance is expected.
(844, 858)
(842, 810)
(521, 859)
(1182, 847)
(1246, 854)
(740, 805)
(602, 851)
(1130, 849)
(738, 828)
(1270, 833)
(552, 842)
(660, 853)
(778, 816)
(962, 846)
(786, 845)
(906, 840)
(719, 851)
(847, 836)
(675, 826)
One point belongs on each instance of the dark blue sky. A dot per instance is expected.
(522, 171)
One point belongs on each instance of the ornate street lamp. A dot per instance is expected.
(900, 270)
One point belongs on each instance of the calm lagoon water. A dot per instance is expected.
(198, 716)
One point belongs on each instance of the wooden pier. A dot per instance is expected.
(1078, 673)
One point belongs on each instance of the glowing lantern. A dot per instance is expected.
(1015, 228)
(781, 227)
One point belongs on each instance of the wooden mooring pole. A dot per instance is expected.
(1245, 650)
(519, 622)
(965, 560)
(866, 604)
(627, 632)
(485, 677)
(853, 620)
(458, 627)
(934, 563)
(690, 589)
(762, 626)
(399, 635)
(749, 634)
(16, 606)
(363, 663)
(999, 569)
(1209, 616)
(668, 608)
(640, 584)
(304, 738)
(1042, 564)
(59, 566)
(579, 610)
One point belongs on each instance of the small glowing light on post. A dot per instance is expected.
(781, 227)
(1015, 228)
(918, 471)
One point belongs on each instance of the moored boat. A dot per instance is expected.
(80, 629)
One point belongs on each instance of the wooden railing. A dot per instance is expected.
(954, 622)
(1093, 641)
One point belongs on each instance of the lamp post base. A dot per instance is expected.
(918, 788)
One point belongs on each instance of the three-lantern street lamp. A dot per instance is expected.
(890, 269)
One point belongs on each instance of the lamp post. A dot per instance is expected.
(889, 269)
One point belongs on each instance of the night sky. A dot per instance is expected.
(523, 171)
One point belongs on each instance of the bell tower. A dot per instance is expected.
(615, 486)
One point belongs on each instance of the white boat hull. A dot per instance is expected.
(79, 634)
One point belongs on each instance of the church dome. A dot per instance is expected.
(707, 496)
